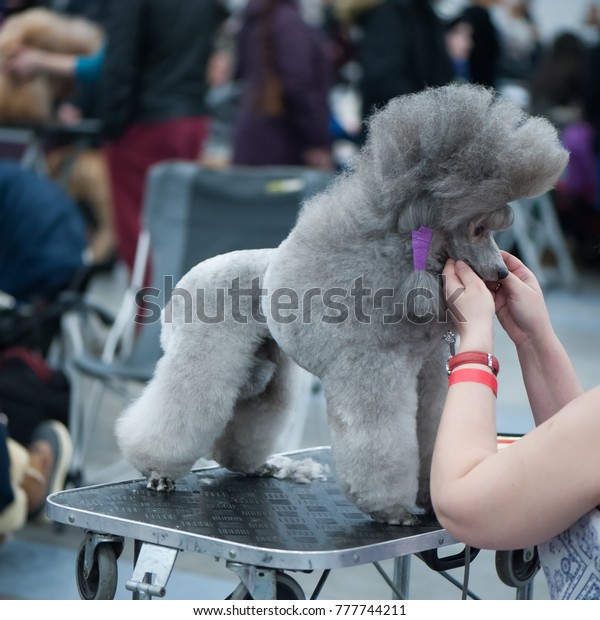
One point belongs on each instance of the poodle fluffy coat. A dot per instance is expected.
(358, 315)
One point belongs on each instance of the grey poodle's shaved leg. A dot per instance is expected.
(374, 438)
(257, 423)
(432, 388)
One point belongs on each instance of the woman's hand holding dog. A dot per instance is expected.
(518, 302)
(520, 306)
(474, 306)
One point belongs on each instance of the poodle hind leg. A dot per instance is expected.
(261, 412)
(372, 419)
(188, 403)
(210, 348)
(175, 421)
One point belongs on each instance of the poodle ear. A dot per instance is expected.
(420, 294)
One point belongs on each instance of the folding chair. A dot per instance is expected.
(537, 235)
(190, 214)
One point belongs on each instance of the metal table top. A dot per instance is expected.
(258, 521)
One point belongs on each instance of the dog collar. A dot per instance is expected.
(421, 242)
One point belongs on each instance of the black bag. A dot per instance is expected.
(33, 326)
(31, 392)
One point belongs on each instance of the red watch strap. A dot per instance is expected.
(473, 357)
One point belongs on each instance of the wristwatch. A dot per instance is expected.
(473, 357)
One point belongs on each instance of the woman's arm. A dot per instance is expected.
(525, 493)
(548, 374)
(529, 491)
(27, 62)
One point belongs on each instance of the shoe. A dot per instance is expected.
(56, 434)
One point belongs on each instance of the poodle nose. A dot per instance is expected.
(502, 273)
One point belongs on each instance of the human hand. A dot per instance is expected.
(319, 158)
(24, 62)
(69, 114)
(520, 305)
(472, 305)
(219, 69)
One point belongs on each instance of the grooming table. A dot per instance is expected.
(260, 526)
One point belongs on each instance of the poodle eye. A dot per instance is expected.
(479, 230)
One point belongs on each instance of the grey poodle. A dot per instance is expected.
(353, 296)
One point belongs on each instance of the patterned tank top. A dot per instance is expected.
(571, 560)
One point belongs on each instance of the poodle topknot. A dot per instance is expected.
(459, 150)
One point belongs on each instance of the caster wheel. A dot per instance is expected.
(286, 589)
(517, 568)
(101, 581)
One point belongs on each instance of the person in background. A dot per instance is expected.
(152, 96)
(459, 42)
(285, 75)
(592, 103)
(558, 84)
(543, 489)
(564, 90)
(29, 474)
(486, 52)
(520, 40)
(42, 235)
(87, 181)
(28, 61)
(402, 50)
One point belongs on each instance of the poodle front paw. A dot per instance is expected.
(397, 517)
(156, 482)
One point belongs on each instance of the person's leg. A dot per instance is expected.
(37, 475)
(14, 514)
(126, 174)
(50, 455)
(129, 159)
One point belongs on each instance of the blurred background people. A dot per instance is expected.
(402, 50)
(484, 57)
(42, 235)
(81, 170)
(557, 87)
(592, 102)
(519, 36)
(285, 76)
(152, 102)
(28, 474)
(459, 43)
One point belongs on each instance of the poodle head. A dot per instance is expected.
(451, 158)
(473, 242)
